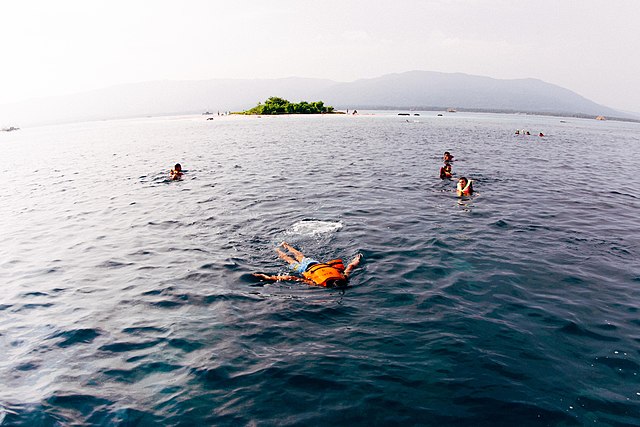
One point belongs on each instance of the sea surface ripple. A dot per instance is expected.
(128, 299)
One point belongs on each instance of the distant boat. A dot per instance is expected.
(207, 113)
(601, 118)
(439, 114)
(404, 114)
(10, 129)
(451, 110)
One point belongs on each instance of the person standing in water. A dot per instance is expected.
(464, 188)
(176, 172)
(445, 171)
(330, 274)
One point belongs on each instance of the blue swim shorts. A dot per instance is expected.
(302, 266)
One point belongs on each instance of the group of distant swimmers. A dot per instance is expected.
(330, 274)
(526, 132)
(465, 186)
(334, 273)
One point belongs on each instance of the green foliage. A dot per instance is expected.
(275, 105)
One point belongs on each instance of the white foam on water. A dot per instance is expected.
(314, 228)
(3, 413)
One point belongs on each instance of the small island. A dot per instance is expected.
(275, 105)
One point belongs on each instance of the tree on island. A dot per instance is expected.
(275, 105)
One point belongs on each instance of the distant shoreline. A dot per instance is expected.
(363, 110)
(495, 111)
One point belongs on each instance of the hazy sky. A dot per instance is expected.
(57, 47)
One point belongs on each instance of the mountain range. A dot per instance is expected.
(418, 90)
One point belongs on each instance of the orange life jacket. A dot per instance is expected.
(466, 191)
(321, 273)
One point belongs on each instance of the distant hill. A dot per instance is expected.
(414, 89)
(426, 89)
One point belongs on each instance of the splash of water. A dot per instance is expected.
(314, 227)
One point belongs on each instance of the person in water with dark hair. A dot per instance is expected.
(464, 188)
(447, 157)
(329, 274)
(176, 172)
(445, 171)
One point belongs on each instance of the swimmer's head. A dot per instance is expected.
(462, 181)
(336, 283)
(177, 167)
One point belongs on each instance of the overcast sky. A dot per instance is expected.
(58, 47)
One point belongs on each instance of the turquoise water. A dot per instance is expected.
(128, 299)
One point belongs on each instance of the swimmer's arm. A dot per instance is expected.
(267, 277)
(278, 278)
(353, 264)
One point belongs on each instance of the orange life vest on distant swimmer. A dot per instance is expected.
(322, 273)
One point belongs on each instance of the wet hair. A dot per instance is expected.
(336, 283)
(177, 167)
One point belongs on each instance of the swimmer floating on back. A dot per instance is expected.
(176, 172)
(330, 274)
(465, 188)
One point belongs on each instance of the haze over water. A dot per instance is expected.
(128, 300)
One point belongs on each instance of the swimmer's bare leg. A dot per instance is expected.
(299, 255)
(285, 257)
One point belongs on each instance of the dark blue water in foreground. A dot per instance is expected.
(128, 300)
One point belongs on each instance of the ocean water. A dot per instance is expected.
(128, 299)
